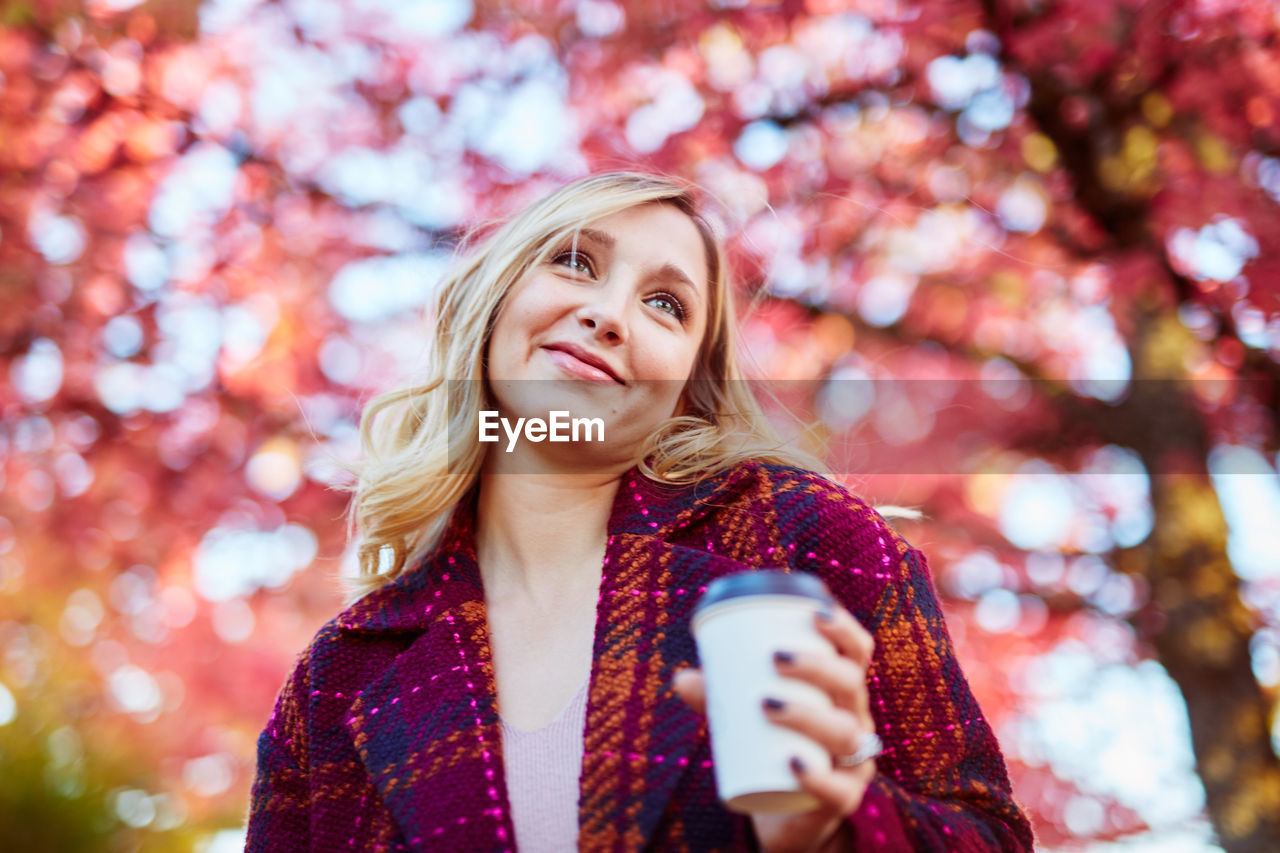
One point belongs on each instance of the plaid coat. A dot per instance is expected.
(386, 736)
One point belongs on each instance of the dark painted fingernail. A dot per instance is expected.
(826, 614)
(783, 657)
(774, 704)
(796, 764)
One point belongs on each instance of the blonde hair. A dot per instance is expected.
(419, 447)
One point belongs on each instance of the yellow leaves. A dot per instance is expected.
(1211, 580)
(1156, 109)
(1238, 819)
(1255, 794)
(1009, 287)
(1163, 350)
(1132, 168)
(17, 15)
(1113, 174)
(1140, 145)
(1039, 152)
(1210, 641)
(1213, 153)
(1196, 519)
(1253, 790)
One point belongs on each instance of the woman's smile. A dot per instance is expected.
(579, 362)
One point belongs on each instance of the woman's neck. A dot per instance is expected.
(539, 534)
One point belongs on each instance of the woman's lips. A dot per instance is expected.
(578, 367)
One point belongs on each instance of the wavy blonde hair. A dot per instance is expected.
(420, 453)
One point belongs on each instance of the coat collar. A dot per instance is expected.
(428, 730)
(450, 573)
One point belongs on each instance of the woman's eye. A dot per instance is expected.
(576, 261)
(667, 302)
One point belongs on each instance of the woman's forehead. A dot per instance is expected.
(679, 230)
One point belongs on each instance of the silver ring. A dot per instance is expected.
(869, 746)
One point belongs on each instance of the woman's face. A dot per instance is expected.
(609, 326)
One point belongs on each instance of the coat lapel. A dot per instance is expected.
(428, 731)
(641, 739)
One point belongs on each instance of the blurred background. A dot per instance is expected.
(1029, 252)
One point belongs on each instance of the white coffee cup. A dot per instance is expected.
(741, 620)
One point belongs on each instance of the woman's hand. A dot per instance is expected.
(840, 729)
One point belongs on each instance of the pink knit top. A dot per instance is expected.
(543, 769)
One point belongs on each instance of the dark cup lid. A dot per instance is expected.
(764, 582)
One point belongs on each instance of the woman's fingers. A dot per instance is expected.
(841, 792)
(690, 687)
(839, 677)
(850, 639)
(836, 729)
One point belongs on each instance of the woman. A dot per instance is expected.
(520, 672)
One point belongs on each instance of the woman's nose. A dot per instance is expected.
(604, 314)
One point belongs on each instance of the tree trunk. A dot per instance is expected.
(1202, 629)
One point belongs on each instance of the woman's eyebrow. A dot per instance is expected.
(672, 273)
(600, 237)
